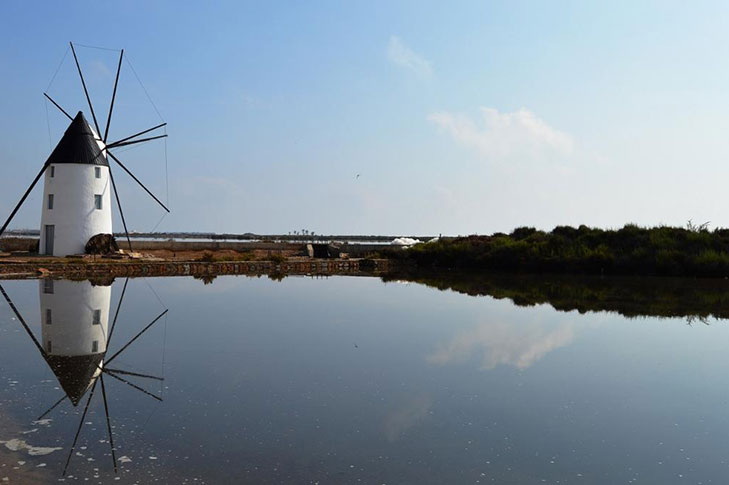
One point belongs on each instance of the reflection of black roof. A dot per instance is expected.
(78, 145)
(75, 373)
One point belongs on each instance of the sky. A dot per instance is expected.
(383, 117)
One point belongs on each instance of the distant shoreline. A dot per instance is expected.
(248, 236)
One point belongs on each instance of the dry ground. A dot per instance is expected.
(221, 255)
(169, 255)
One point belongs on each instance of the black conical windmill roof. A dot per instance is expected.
(78, 145)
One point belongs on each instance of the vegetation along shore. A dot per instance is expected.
(691, 251)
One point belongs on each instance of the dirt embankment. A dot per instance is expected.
(183, 259)
(105, 269)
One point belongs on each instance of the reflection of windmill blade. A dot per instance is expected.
(133, 385)
(116, 315)
(58, 106)
(126, 372)
(134, 142)
(22, 321)
(113, 96)
(136, 337)
(52, 408)
(137, 134)
(25, 196)
(118, 204)
(86, 92)
(78, 431)
(108, 422)
(137, 180)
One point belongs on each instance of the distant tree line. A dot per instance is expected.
(671, 251)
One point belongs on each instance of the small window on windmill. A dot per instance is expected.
(97, 172)
(49, 321)
(97, 317)
(95, 346)
(53, 171)
(97, 202)
(48, 286)
(49, 347)
(50, 201)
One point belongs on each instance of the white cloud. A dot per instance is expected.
(401, 55)
(505, 135)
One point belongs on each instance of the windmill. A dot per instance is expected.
(76, 195)
(74, 322)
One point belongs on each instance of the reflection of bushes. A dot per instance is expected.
(206, 278)
(277, 276)
(693, 299)
(669, 251)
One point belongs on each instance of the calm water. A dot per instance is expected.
(352, 380)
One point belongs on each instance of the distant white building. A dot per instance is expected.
(76, 192)
(75, 322)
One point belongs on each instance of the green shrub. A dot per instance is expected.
(522, 233)
(631, 249)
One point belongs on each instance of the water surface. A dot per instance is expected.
(354, 380)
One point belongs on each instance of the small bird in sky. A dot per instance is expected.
(357, 176)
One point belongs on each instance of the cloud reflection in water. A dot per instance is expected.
(518, 345)
(406, 416)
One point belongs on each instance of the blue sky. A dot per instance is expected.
(460, 117)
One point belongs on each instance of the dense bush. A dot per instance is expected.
(692, 251)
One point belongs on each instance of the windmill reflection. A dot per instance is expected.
(74, 323)
(75, 337)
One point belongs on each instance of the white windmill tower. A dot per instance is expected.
(76, 192)
(78, 182)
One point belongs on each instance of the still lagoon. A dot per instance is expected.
(359, 380)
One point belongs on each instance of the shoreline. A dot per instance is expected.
(104, 269)
(661, 251)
